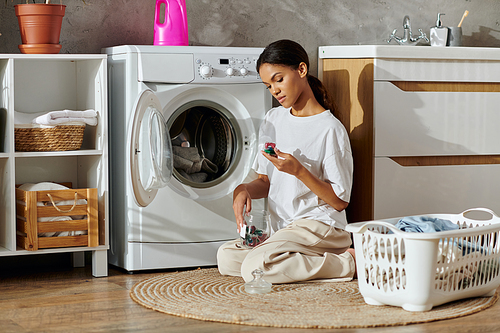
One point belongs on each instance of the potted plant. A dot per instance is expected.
(40, 26)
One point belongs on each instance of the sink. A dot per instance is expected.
(408, 52)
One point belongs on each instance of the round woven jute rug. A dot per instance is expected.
(206, 295)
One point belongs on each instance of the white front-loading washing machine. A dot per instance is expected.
(183, 134)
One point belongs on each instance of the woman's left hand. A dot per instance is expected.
(289, 164)
(285, 162)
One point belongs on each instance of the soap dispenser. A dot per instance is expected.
(439, 34)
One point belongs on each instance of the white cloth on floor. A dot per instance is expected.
(53, 118)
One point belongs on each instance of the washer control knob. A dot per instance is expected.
(244, 71)
(230, 71)
(206, 71)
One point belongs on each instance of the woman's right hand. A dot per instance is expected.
(243, 194)
(242, 204)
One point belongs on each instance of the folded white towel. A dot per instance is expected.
(75, 123)
(53, 118)
(89, 117)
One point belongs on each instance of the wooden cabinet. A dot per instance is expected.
(423, 124)
(38, 83)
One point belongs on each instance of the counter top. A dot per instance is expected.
(408, 52)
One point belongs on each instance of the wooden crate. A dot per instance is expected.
(28, 209)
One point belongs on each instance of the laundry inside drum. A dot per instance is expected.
(204, 145)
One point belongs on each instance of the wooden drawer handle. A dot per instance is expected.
(408, 161)
(436, 86)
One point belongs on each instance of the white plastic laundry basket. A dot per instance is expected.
(417, 271)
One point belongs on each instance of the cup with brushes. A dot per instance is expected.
(455, 34)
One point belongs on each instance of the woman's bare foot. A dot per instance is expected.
(353, 254)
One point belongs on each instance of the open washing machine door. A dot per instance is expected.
(151, 161)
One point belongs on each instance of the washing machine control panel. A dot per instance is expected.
(217, 68)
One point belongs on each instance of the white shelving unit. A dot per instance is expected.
(36, 83)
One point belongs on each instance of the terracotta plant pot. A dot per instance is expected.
(40, 27)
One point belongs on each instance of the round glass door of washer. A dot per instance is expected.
(151, 150)
(206, 144)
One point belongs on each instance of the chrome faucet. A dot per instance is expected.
(407, 38)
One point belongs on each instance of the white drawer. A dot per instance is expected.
(404, 191)
(436, 70)
(435, 123)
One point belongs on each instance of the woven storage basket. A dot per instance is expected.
(57, 138)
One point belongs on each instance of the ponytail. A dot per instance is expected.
(289, 53)
(320, 93)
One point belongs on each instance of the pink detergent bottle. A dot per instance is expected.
(174, 29)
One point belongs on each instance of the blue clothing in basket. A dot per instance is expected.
(430, 224)
(425, 224)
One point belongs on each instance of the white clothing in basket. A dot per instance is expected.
(48, 186)
(448, 252)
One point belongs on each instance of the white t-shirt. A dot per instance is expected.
(321, 144)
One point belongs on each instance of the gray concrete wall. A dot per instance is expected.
(89, 26)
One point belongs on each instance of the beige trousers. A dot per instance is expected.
(304, 250)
